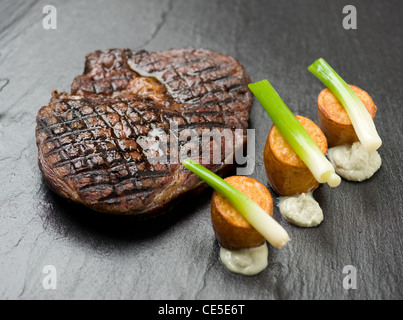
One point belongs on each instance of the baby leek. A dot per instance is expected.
(360, 118)
(270, 229)
(295, 134)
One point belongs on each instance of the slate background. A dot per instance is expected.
(176, 256)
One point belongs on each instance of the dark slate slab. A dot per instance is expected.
(176, 256)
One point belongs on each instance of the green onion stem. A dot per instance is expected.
(295, 134)
(270, 229)
(360, 118)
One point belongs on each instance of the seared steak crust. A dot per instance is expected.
(89, 141)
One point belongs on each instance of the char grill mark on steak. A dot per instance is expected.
(197, 79)
(93, 154)
(88, 140)
(105, 72)
(89, 154)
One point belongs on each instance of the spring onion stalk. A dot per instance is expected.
(269, 228)
(360, 118)
(295, 134)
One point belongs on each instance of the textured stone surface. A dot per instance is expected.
(176, 256)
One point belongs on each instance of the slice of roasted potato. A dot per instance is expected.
(232, 230)
(334, 120)
(286, 172)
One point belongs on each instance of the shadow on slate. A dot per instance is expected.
(65, 215)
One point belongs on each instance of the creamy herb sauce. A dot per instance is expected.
(302, 210)
(245, 261)
(354, 162)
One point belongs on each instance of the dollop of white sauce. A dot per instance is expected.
(354, 162)
(302, 210)
(248, 262)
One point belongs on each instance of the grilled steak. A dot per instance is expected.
(94, 143)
